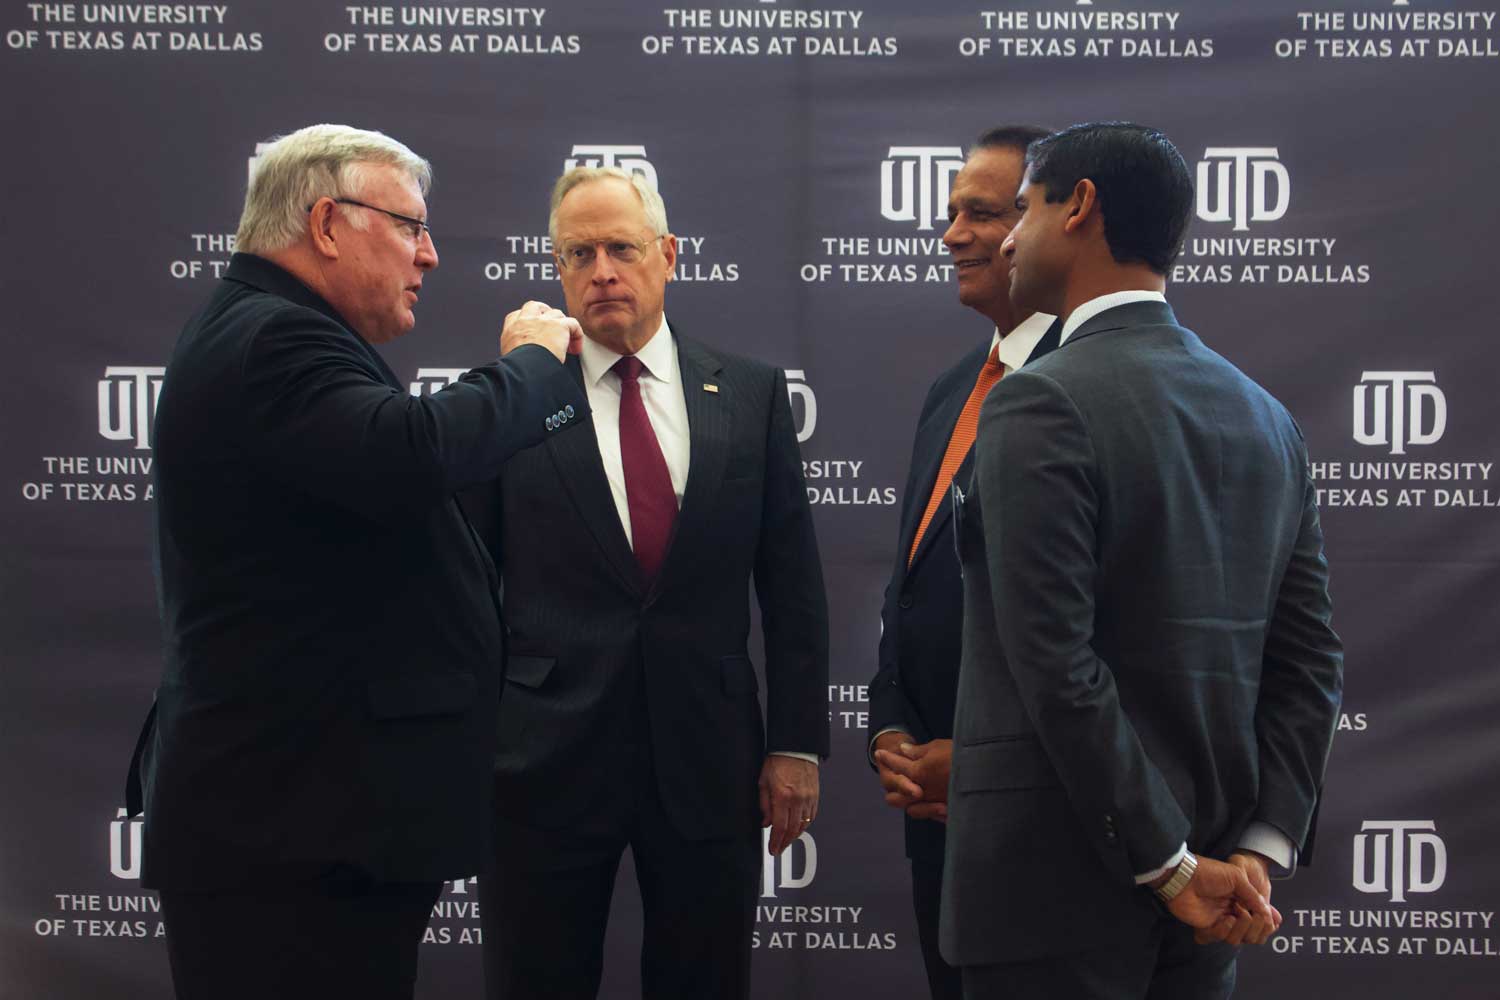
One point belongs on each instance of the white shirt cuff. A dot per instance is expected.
(1156, 873)
(1263, 838)
(870, 751)
(811, 758)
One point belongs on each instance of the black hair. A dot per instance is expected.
(1016, 137)
(1145, 192)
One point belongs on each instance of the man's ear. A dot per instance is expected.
(669, 251)
(320, 228)
(1083, 205)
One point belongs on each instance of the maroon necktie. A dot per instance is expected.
(648, 484)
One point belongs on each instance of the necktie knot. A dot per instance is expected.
(629, 368)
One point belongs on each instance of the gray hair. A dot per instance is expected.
(296, 170)
(656, 209)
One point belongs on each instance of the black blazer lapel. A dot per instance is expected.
(932, 441)
(943, 421)
(934, 437)
(1048, 343)
(581, 470)
(709, 416)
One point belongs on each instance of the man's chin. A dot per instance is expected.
(982, 300)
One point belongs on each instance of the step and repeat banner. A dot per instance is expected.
(1343, 255)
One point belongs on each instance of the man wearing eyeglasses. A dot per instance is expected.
(630, 716)
(317, 759)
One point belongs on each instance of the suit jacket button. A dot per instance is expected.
(905, 601)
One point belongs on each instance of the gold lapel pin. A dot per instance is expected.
(710, 387)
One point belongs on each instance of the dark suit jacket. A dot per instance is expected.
(1147, 652)
(592, 648)
(332, 629)
(922, 618)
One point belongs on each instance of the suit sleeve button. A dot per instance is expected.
(569, 410)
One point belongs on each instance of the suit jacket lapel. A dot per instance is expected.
(1048, 343)
(576, 455)
(932, 447)
(932, 441)
(709, 415)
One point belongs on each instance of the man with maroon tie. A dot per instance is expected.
(630, 715)
(912, 695)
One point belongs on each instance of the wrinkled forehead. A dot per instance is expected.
(390, 187)
(608, 206)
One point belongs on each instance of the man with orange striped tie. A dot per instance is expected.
(912, 695)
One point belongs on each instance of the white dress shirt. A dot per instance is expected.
(1016, 346)
(1262, 838)
(666, 409)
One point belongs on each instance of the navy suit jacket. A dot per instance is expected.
(333, 645)
(921, 621)
(603, 662)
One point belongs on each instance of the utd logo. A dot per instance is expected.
(1399, 409)
(1398, 857)
(127, 402)
(781, 871)
(1234, 184)
(431, 380)
(805, 417)
(631, 159)
(914, 183)
(125, 834)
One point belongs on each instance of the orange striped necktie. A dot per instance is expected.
(960, 443)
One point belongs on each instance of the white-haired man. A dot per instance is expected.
(630, 715)
(318, 758)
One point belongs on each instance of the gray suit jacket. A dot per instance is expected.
(1147, 651)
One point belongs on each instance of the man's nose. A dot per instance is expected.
(956, 235)
(1008, 248)
(605, 268)
(427, 255)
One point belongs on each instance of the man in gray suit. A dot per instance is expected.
(1149, 683)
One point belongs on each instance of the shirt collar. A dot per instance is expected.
(1016, 346)
(657, 357)
(1094, 307)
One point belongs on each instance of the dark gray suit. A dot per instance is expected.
(1147, 652)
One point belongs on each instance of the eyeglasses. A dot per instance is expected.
(414, 228)
(575, 255)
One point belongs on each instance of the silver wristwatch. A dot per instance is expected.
(1181, 876)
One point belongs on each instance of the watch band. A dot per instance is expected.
(1181, 876)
